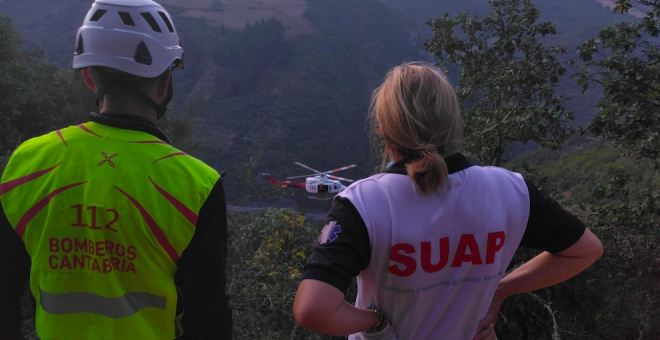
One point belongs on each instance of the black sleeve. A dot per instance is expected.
(343, 250)
(550, 227)
(201, 274)
(14, 276)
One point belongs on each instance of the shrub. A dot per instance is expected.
(267, 254)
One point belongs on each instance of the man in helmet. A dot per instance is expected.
(123, 231)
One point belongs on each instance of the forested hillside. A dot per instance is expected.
(303, 99)
(296, 93)
(296, 98)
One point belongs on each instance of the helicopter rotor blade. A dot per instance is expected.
(341, 179)
(304, 176)
(307, 167)
(341, 169)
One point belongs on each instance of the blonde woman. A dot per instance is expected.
(430, 238)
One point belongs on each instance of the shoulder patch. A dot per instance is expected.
(330, 232)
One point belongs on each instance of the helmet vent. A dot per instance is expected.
(127, 19)
(98, 14)
(151, 21)
(79, 45)
(167, 21)
(142, 55)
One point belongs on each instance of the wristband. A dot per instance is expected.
(382, 320)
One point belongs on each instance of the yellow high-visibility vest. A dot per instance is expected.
(105, 213)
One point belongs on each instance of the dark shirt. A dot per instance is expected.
(550, 228)
(200, 276)
(14, 275)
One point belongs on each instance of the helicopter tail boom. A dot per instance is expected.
(285, 184)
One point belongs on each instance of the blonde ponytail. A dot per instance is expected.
(417, 112)
(429, 171)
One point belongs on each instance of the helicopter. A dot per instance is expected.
(320, 185)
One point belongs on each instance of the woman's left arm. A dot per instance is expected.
(321, 307)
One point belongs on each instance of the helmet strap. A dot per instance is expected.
(163, 107)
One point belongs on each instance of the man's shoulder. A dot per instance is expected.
(38, 144)
(203, 168)
(24, 156)
(51, 143)
(189, 168)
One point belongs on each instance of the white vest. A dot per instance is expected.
(437, 259)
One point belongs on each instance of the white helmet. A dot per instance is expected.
(133, 36)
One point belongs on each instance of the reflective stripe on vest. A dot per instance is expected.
(116, 308)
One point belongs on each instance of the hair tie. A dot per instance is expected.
(427, 148)
(417, 153)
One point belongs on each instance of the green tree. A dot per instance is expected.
(267, 257)
(507, 78)
(631, 226)
(3, 163)
(625, 61)
(9, 69)
(36, 96)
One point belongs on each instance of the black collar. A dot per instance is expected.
(130, 122)
(455, 163)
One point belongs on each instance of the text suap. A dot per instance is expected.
(467, 251)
